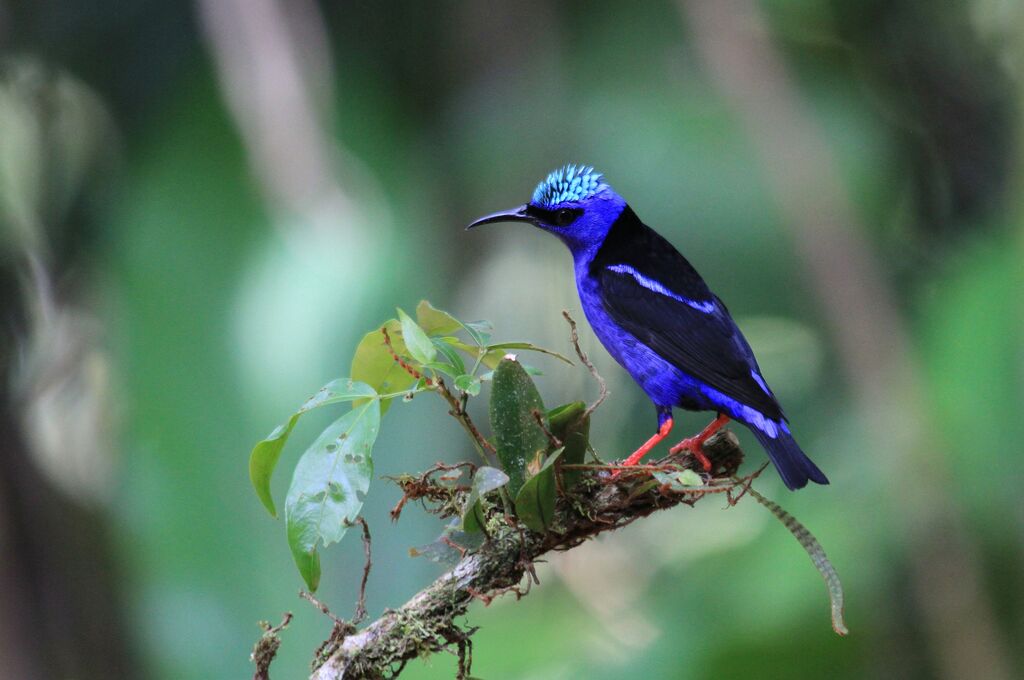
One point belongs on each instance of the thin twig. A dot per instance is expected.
(585, 360)
(539, 417)
(745, 483)
(324, 609)
(423, 487)
(463, 416)
(360, 614)
(456, 407)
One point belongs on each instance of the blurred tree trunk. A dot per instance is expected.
(61, 614)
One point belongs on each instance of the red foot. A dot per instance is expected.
(635, 457)
(695, 444)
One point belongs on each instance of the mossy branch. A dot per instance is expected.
(427, 622)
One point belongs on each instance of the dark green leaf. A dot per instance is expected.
(535, 503)
(325, 494)
(518, 437)
(374, 365)
(529, 346)
(308, 564)
(266, 453)
(569, 425)
(485, 480)
(416, 340)
(469, 384)
(436, 321)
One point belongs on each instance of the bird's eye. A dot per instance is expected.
(565, 217)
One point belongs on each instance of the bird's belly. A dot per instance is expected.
(665, 384)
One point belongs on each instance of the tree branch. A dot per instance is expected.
(426, 623)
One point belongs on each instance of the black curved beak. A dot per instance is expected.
(515, 215)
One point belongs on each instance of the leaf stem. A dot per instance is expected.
(484, 447)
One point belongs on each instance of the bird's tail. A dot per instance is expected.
(793, 465)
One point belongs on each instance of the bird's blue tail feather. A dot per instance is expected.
(793, 465)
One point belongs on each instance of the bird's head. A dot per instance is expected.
(574, 203)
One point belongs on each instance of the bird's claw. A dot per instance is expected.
(696, 447)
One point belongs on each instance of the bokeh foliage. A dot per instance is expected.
(223, 308)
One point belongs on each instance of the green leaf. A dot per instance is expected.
(324, 496)
(480, 331)
(529, 346)
(337, 391)
(263, 460)
(683, 480)
(436, 321)
(518, 437)
(470, 384)
(266, 453)
(450, 354)
(442, 367)
(416, 340)
(573, 430)
(535, 503)
(373, 364)
(485, 480)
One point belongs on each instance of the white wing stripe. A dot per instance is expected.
(707, 306)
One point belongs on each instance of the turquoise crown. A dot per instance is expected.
(571, 183)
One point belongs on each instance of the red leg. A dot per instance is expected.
(663, 431)
(695, 444)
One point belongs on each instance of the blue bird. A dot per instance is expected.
(657, 317)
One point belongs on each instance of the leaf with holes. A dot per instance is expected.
(326, 489)
(266, 453)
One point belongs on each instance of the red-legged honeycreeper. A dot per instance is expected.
(654, 314)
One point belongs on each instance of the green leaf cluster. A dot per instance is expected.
(402, 357)
(531, 444)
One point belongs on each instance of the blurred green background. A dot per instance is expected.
(203, 206)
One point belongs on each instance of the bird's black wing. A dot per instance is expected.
(650, 290)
